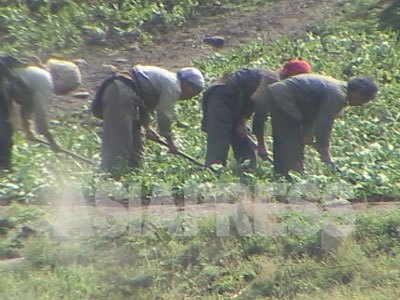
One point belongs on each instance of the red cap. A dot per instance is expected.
(294, 67)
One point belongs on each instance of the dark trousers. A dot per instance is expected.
(6, 144)
(220, 123)
(288, 141)
(6, 130)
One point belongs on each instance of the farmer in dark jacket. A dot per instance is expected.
(125, 101)
(226, 106)
(304, 106)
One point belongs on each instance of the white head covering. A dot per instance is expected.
(192, 75)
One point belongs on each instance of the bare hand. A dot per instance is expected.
(55, 147)
(29, 136)
(242, 131)
(263, 155)
(325, 155)
(309, 140)
(172, 148)
(262, 152)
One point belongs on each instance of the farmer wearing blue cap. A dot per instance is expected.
(125, 102)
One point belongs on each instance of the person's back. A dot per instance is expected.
(32, 88)
(35, 77)
(314, 85)
(302, 96)
(242, 84)
(35, 100)
(158, 77)
(248, 79)
(160, 89)
(226, 107)
(39, 83)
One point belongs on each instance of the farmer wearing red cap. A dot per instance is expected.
(125, 101)
(293, 67)
(227, 105)
(290, 68)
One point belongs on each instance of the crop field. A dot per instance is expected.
(68, 231)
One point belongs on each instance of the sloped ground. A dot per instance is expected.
(290, 18)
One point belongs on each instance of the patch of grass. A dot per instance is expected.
(204, 266)
(173, 257)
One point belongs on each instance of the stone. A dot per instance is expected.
(332, 237)
(121, 60)
(80, 62)
(215, 41)
(109, 69)
(65, 74)
(81, 95)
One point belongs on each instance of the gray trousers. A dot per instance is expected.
(122, 144)
(288, 139)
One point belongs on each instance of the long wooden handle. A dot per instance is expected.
(188, 157)
(72, 154)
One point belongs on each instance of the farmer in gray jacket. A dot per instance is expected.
(304, 106)
(125, 102)
(31, 88)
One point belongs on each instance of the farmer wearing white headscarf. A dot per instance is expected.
(125, 102)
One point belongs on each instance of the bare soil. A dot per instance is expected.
(178, 48)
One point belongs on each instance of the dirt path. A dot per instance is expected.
(74, 217)
(290, 18)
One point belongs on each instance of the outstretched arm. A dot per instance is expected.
(40, 102)
(43, 128)
(164, 125)
(258, 130)
(26, 116)
(262, 101)
(328, 111)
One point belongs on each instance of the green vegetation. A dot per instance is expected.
(48, 26)
(365, 140)
(164, 263)
(182, 256)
